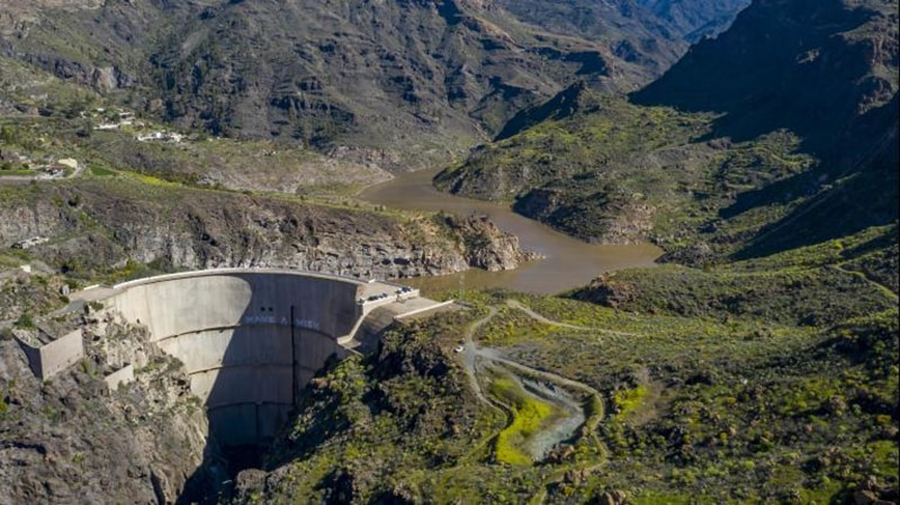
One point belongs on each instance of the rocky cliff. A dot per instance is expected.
(98, 224)
(70, 439)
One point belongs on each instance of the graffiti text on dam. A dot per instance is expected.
(255, 319)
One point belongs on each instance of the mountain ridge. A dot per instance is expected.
(422, 80)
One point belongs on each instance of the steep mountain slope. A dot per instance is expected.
(633, 33)
(695, 19)
(391, 79)
(409, 76)
(834, 84)
(789, 115)
(807, 66)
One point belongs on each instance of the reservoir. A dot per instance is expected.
(568, 262)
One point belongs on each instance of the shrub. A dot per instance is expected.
(25, 321)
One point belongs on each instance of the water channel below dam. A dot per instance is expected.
(568, 262)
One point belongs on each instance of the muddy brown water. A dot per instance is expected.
(568, 262)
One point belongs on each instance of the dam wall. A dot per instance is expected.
(177, 304)
(250, 340)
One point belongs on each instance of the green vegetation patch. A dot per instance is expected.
(628, 400)
(615, 172)
(730, 405)
(813, 286)
(529, 415)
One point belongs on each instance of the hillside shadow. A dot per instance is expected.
(251, 368)
(774, 70)
(792, 69)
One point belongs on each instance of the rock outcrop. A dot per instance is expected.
(94, 227)
(71, 439)
(486, 246)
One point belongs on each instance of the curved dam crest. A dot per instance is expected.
(251, 339)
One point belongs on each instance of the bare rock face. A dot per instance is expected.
(109, 78)
(871, 493)
(199, 229)
(70, 439)
(486, 246)
(102, 79)
(21, 222)
(613, 498)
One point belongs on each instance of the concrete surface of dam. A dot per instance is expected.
(251, 339)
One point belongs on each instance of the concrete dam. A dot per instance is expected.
(252, 339)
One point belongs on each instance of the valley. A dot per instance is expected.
(656, 243)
